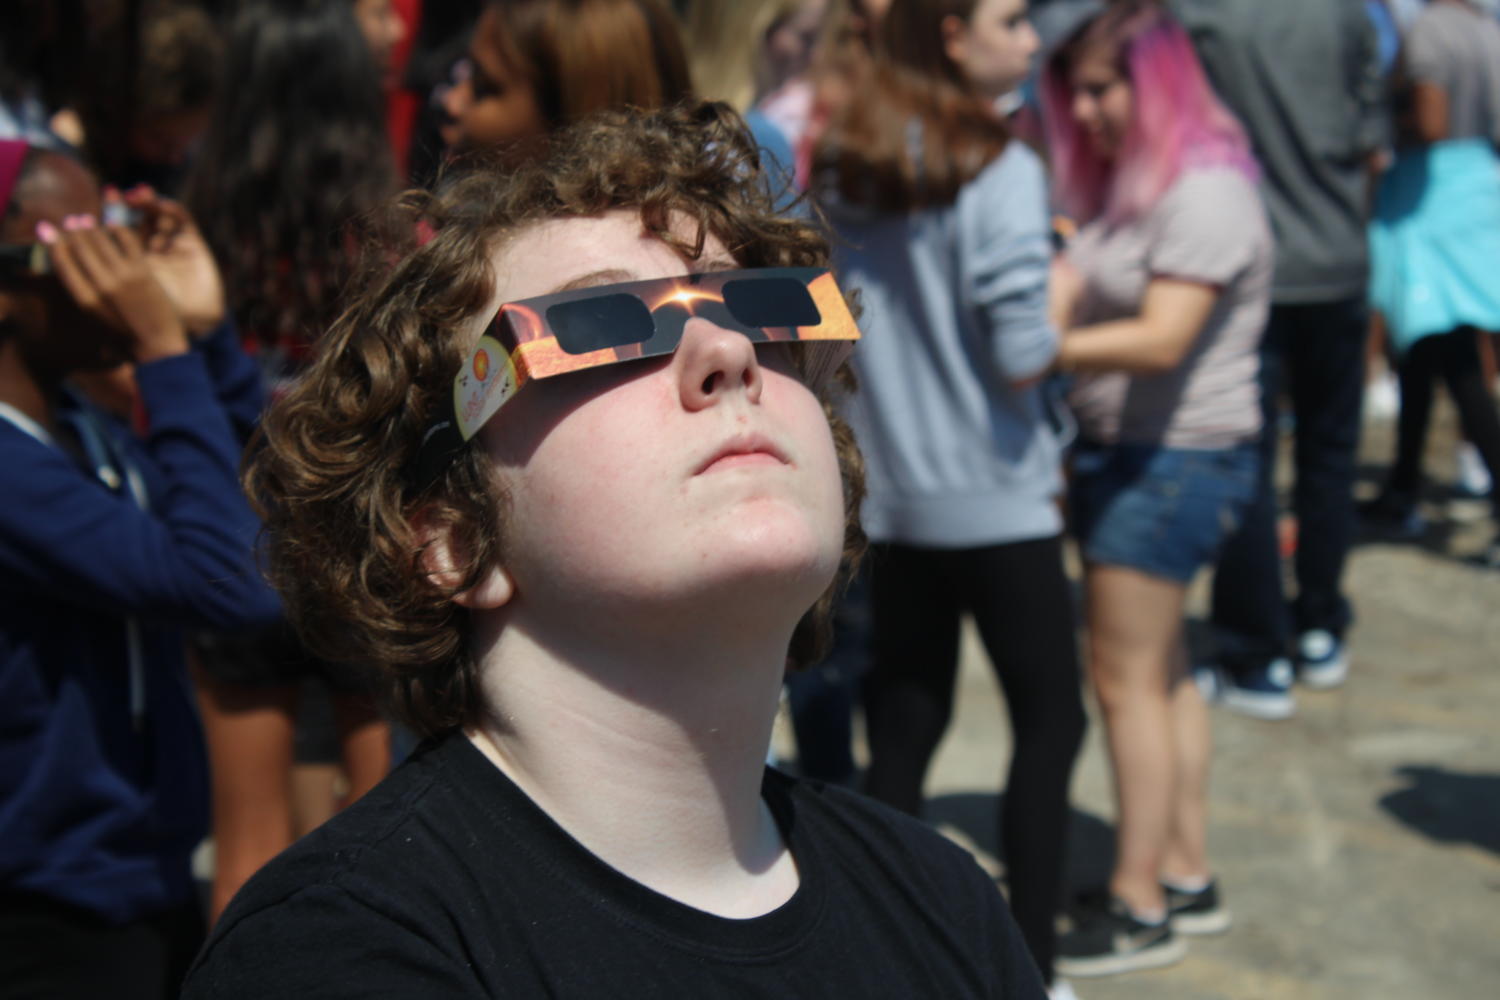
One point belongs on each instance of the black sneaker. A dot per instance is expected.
(1198, 912)
(1103, 942)
(1489, 556)
(1394, 514)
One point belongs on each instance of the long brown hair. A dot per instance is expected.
(911, 131)
(282, 184)
(583, 56)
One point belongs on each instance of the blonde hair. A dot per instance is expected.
(725, 44)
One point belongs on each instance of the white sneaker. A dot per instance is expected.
(1383, 398)
(1061, 990)
(1322, 660)
(1473, 475)
(1261, 694)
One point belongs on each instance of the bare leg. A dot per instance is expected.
(1487, 362)
(1377, 349)
(1135, 625)
(249, 732)
(366, 741)
(1186, 856)
(315, 795)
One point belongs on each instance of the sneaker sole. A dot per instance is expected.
(1324, 676)
(1202, 924)
(1269, 707)
(1468, 509)
(1156, 957)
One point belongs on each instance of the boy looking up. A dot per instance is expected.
(587, 608)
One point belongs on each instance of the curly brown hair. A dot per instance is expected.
(332, 469)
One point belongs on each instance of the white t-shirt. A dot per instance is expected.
(1209, 227)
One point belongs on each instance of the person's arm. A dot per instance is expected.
(1006, 264)
(1423, 99)
(1172, 313)
(1064, 291)
(236, 377)
(188, 559)
(179, 258)
(1429, 113)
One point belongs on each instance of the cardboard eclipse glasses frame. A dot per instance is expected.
(584, 328)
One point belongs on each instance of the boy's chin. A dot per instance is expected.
(772, 576)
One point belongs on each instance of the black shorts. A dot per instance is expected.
(273, 657)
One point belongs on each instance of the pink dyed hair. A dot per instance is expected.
(1178, 120)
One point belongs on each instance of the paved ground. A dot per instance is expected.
(1359, 843)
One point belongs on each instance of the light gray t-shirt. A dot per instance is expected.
(1458, 49)
(1208, 227)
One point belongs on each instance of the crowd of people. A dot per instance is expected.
(849, 320)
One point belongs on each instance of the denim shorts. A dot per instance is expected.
(1163, 511)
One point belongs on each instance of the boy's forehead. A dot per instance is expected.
(559, 253)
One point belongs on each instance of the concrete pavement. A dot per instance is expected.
(1359, 842)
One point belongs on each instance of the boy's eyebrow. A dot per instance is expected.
(614, 275)
(607, 276)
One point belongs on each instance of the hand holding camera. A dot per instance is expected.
(107, 273)
(177, 254)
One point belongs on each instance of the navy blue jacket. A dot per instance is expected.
(103, 776)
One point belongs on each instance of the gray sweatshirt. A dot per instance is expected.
(1305, 79)
(955, 309)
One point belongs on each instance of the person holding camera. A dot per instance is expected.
(113, 539)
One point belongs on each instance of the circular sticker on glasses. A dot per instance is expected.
(486, 383)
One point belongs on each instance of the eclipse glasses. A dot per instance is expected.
(34, 260)
(585, 328)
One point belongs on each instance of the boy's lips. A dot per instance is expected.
(743, 448)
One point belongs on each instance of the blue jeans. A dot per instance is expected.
(1163, 511)
(1316, 354)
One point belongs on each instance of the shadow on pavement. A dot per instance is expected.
(1091, 841)
(1449, 806)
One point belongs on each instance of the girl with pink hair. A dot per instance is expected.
(1161, 297)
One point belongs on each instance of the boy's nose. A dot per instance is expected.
(711, 363)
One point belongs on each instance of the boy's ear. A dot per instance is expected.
(441, 561)
(494, 589)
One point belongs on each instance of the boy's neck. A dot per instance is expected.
(650, 754)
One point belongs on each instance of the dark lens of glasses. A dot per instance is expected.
(767, 302)
(606, 321)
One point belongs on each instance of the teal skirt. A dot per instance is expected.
(1435, 241)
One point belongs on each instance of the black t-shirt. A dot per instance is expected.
(446, 880)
